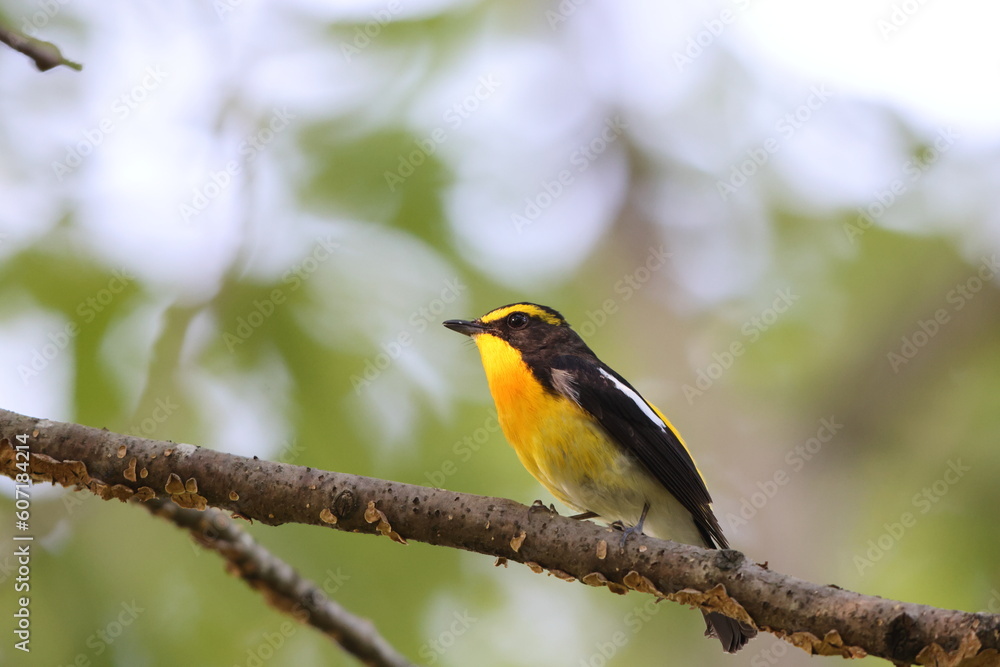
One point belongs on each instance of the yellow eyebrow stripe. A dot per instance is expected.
(526, 308)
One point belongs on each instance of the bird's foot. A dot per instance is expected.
(627, 531)
(631, 530)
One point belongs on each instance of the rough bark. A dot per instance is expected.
(820, 619)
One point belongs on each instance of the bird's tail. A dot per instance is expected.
(731, 633)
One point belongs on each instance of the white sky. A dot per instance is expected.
(942, 61)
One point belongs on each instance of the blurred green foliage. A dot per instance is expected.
(335, 358)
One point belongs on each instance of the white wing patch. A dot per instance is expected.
(628, 391)
(563, 382)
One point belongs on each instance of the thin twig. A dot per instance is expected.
(280, 583)
(45, 55)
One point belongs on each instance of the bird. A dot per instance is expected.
(591, 439)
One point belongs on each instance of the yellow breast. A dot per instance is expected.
(555, 440)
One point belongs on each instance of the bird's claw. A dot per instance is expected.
(631, 530)
(628, 532)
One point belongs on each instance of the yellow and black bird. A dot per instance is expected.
(588, 436)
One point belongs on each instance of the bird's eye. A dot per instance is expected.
(517, 320)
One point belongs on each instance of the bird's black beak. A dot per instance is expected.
(465, 327)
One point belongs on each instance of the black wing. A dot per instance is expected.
(589, 383)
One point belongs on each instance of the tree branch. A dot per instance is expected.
(819, 619)
(280, 584)
(45, 55)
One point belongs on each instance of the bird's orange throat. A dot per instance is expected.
(522, 402)
(510, 380)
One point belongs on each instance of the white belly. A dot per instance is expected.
(667, 519)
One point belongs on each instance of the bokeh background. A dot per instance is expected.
(242, 223)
